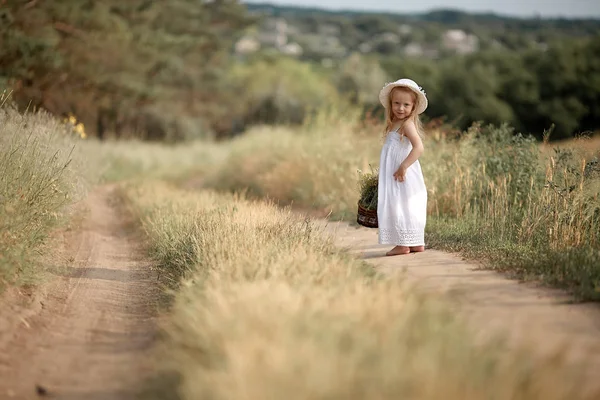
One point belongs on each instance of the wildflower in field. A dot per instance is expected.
(77, 127)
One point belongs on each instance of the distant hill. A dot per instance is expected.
(451, 17)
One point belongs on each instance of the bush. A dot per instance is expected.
(279, 91)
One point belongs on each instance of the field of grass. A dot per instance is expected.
(263, 305)
(269, 308)
(530, 210)
(131, 160)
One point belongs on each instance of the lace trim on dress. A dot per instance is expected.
(402, 237)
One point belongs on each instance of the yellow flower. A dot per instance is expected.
(78, 127)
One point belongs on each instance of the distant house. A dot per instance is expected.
(272, 39)
(329, 30)
(327, 46)
(279, 25)
(275, 32)
(413, 50)
(365, 47)
(388, 37)
(459, 41)
(404, 29)
(247, 45)
(292, 49)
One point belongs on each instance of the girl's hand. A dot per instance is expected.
(400, 174)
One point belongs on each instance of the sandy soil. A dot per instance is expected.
(87, 334)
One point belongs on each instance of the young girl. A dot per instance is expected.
(402, 196)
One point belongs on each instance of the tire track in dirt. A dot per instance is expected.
(94, 335)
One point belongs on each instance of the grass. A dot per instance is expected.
(265, 306)
(493, 195)
(269, 308)
(45, 167)
(316, 169)
(130, 160)
(41, 174)
(528, 212)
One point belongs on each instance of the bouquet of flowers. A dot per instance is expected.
(367, 203)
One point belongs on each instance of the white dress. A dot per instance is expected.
(401, 206)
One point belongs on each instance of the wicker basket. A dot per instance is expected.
(366, 217)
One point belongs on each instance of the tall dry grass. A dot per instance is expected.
(268, 308)
(130, 160)
(493, 194)
(530, 212)
(41, 172)
(316, 166)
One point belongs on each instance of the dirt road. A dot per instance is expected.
(545, 319)
(91, 336)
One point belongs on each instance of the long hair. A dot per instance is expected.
(390, 119)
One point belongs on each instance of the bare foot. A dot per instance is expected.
(398, 250)
(417, 249)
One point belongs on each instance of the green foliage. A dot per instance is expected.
(530, 73)
(278, 91)
(165, 70)
(502, 154)
(108, 62)
(367, 188)
(532, 89)
(360, 79)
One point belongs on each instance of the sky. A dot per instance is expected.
(520, 8)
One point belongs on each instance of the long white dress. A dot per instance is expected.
(401, 206)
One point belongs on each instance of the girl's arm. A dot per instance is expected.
(410, 131)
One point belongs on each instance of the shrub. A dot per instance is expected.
(41, 173)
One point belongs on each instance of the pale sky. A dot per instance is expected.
(522, 8)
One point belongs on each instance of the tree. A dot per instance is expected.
(110, 62)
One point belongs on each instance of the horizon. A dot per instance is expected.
(582, 9)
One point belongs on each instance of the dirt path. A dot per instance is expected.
(92, 335)
(543, 318)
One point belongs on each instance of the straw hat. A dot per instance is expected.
(407, 83)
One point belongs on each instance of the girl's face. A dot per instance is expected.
(403, 103)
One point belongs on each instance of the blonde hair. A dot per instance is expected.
(389, 114)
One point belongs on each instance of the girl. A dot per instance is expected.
(402, 196)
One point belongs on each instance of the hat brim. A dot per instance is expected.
(385, 93)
